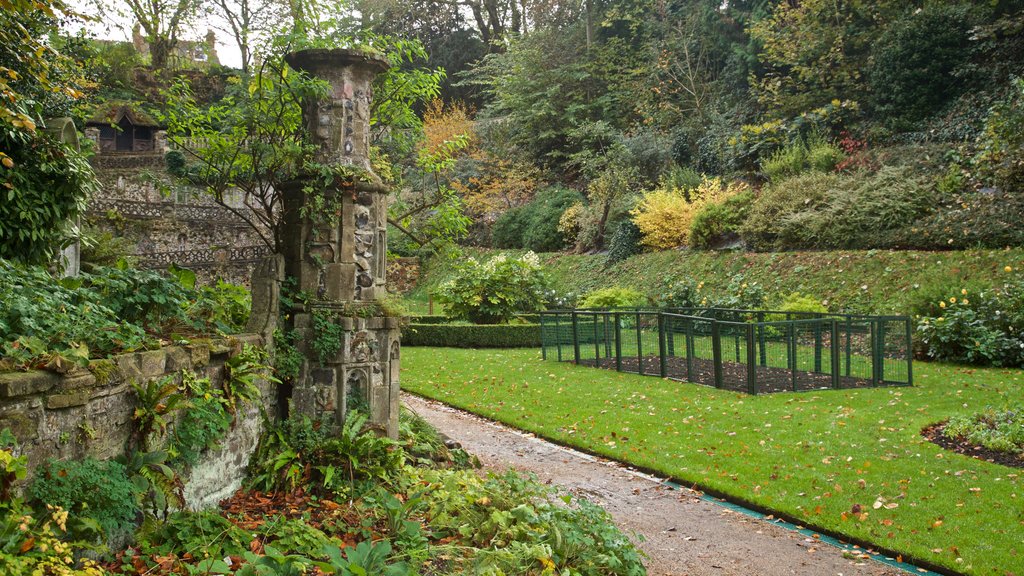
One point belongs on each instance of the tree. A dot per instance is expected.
(43, 183)
(162, 21)
(252, 140)
(246, 20)
(814, 51)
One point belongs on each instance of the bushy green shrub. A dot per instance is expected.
(507, 231)
(678, 293)
(814, 155)
(88, 488)
(977, 328)
(777, 217)
(614, 297)
(534, 226)
(625, 242)
(838, 211)
(472, 335)
(797, 302)
(493, 291)
(720, 221)
(999, 430)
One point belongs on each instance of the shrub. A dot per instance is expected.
(838, 211)
(508, 228)
(999, 430)
(720, 221)
(664, 215)
(614, 297)
(494, 291)
(798, 157)
(678, 293)
(1000, 158)
(977, 328)
(535, 226)
(472, 335)
(796, 302)
(52, 182)
(88, 488)
(625, 242)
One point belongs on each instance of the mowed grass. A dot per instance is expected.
(852, 462)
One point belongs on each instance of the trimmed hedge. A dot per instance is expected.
(472, 335)
(427, 319)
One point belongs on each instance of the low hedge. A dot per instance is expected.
(430, 319)
(472, 335)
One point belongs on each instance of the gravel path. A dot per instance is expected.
(683, 535)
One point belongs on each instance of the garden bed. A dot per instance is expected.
(934, 435)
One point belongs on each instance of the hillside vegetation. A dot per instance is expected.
(877, 282)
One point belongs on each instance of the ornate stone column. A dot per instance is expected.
(336, 244)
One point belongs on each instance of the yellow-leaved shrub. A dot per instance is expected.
(665, 215)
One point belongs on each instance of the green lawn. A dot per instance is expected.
(826, 458)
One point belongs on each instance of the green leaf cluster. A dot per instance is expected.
(492, 292)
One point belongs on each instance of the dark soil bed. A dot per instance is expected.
(934, 435)
(734, 374)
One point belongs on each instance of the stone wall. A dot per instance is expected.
(89, 412)
(403, 274)
(167, 223)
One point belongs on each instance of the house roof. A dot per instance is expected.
(110, 113)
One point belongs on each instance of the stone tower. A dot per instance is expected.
(335, 250)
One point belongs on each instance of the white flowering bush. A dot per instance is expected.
(493, 291)
(981, 328)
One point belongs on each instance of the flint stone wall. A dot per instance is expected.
(89, 412)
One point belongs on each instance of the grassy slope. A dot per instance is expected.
(856, 281)
(812, 456)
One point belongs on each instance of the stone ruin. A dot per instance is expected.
(337, 254)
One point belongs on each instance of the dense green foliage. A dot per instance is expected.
(999, 430)
(534, 226)
(613, 297)
(976, 327)
(493, 291)
(43, 182)
(713, 438)
(89, 488)
(50, 322)
(472, 335)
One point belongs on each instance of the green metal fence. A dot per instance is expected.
(753, 351)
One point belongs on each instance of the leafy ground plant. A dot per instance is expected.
(999, 430)
(435, 517)
(851, 462)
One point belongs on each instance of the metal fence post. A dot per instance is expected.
(618, 342)
(543, 340)
(751, 360)
(834, 353)
(716, 351)
(817, 347)
(881, 352)
(575, 338)
(597, 344)
(607, 337)
(909, 352)
(791, 344)
(558, 336)
(639, 347)
(849, 343)
(690, 349)
(874, 353)
(662, 360)
(761, 338)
